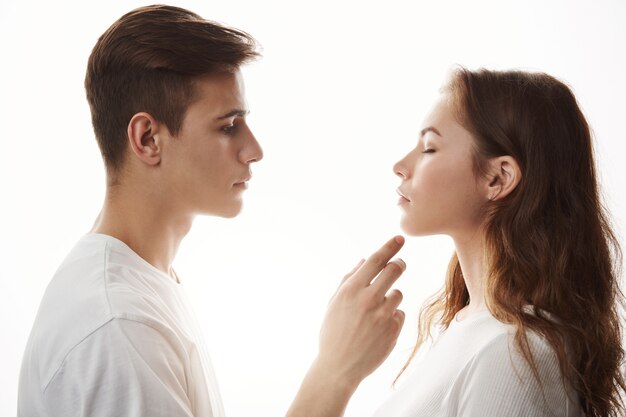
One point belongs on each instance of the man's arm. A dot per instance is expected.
(361, 327)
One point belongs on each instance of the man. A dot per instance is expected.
(114, 335)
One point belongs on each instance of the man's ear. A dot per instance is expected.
(504, 175)
(144, 139)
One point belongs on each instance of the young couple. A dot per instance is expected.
(527, 323)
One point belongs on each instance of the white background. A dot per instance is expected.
(338, 98)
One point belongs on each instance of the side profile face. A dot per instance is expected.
(207, 165)
(439, 193)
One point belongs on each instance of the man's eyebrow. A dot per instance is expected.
(429, 129)
(235, 112)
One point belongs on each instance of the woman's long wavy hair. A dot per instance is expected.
(549, 243)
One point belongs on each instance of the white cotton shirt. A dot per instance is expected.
(474, 369)
(114, 336)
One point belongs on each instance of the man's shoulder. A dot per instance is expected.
(75, 301)
(94, 286)
(101, 279)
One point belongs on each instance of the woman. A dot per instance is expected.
(529, 313)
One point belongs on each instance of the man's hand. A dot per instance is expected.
(360, 329)
(362, 321)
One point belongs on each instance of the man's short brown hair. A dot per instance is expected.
(148, 61)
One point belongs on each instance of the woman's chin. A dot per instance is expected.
(412, 228)
(409, 230)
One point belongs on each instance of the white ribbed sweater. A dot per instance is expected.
(474, 369)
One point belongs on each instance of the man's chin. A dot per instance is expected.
(230, 215)
(227, 212)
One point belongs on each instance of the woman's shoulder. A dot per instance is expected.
(504, 345)
(476, 332)
(501, 372)
(493, 349)
(500, 339)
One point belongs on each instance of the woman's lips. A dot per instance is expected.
(402, 198)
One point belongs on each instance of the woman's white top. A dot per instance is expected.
(474, 369)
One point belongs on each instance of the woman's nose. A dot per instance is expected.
(400, 170)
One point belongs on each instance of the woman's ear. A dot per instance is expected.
(504, 175)
(143, 138)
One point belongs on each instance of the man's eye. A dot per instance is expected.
(429, 151)
(229, 130)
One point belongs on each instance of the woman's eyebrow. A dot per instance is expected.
(429, 129)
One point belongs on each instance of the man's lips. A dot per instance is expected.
(243, 182)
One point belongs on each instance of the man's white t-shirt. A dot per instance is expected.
(114, 336)
(474, 369)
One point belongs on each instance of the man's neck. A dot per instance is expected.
(152, 229)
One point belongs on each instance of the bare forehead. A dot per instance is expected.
(440, 112)
(220, 93)
(442, 118)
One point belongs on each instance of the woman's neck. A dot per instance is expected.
(470, 252)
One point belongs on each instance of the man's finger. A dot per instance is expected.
(375, 263)
(393, 300)
(398, 315)
(349, 274)
(388, 276)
